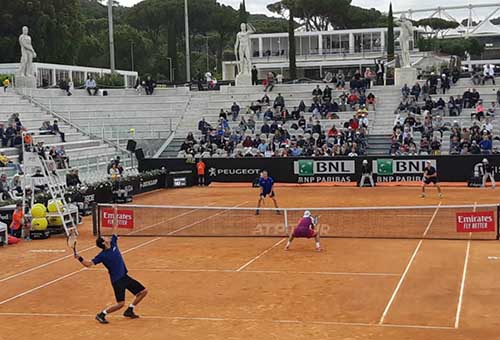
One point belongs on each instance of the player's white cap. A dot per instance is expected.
(365, 161)
(307, 213)
(485, 160)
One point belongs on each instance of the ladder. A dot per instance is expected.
(41, 172)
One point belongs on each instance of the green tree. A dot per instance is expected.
(55, 27)
(437, 24)
(242, 12)
(290, 7)
(390, 35)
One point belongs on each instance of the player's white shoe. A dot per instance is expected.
(319, 249)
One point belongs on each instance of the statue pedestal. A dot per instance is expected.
(243, 80)
(28, 82)
(405, 75)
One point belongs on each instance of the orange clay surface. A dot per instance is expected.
(250, 288)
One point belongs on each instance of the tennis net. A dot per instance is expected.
(418, 222)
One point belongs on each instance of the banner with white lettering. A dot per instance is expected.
(475, 222)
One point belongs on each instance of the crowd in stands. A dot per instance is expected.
(420, 115)
(281, 132)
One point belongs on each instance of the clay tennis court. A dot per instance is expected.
(250, 288)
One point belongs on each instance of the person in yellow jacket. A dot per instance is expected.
(6, 84)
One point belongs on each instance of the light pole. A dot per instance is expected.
(171, 71)
(208, 62)
(132, 54)
(111, 39)
(188, 56)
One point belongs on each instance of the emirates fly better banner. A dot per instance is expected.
(125, 218)
(473, 222)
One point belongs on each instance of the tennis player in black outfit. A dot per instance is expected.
(430, 176)
(112, 259)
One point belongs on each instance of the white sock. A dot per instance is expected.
(131, 306)
(288, 244)
(317, 245)
(104, 312)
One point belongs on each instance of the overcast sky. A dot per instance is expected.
(259, 6)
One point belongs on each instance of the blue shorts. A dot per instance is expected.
(264, 194)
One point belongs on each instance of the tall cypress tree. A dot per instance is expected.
(242, 12)
(390, 35)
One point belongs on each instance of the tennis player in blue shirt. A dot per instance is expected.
(266, 184)
(111, 258)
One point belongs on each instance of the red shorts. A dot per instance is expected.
(300, 232)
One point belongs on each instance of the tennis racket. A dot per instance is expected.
(72, 238)
(316, 220)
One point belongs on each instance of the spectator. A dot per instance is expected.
(72, 178)
(91, 85)
(491, 110)
(149, 86)
(270, 82)
(235, 111)
(64, 85)
(255, 75)
(139, 85)
(405, 91)
(486, 145)
(317, 92)
(435, 146)
(6, 84)
(4, 188)
(452, 107)
(340, 81)
(61, 159)
(55, 130)
(279, 102)
(327, 94)
(479, 112)
(488, 73)
(455, 75)
(380, 69)
(328, 77)
(16, 185)
(28, 141)
(114, 172)
(445, 82)
(415, 91)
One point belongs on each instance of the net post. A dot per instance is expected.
(285, 213)
(498, 221)
(94, 218)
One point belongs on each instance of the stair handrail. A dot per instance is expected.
(31, 99)
(172, 134)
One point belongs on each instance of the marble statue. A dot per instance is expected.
(27, 54)
(405, 36)
(242, 49)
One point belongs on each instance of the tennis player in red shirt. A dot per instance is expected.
(306, 228)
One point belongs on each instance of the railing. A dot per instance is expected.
(27, 93)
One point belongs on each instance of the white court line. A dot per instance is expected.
(173, 270)
(169, 219)
(221, 319)
(432, 220)
(393, 297)
(260, 255)
(462, 286)
(41, 286)
(70, 274)
(206, 218)
(43, 265)
(53, 261)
